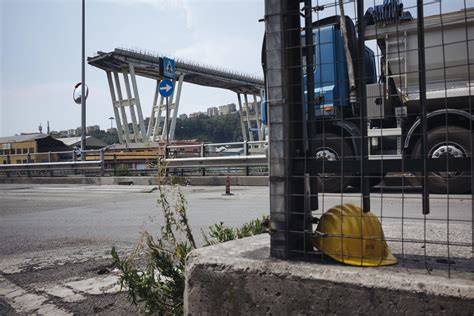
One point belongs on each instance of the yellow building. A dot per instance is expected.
(29, 148)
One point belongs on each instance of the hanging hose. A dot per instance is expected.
(347, 52)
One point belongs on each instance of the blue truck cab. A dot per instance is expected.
(331, 88)
(331, 83)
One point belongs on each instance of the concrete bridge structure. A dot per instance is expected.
(131, 64)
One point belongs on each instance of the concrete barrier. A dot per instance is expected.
(238, 277)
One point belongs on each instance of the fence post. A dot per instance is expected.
(102, 162)
(8, 162)
(51, 170)
(203, 154)
(115, 165)
(164, 170)
(246, 152)
(83, 159)
(28, 173)
(73, 160)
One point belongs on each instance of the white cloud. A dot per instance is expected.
(24, 108)
(220, 50)
(180, 6)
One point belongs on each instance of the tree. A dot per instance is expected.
(108, 138)
(217, 129)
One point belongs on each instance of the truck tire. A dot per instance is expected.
(457, 145)
(331, 148)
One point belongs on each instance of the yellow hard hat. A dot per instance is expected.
(348, 235)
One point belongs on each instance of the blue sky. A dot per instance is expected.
(41, 53)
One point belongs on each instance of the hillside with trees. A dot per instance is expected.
(217, 129)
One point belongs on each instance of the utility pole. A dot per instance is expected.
(83, 84)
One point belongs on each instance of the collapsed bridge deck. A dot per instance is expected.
(148, 65)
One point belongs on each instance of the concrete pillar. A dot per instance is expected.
(290, 222)
(141, 122)
(242, 123)
(131, 105)
(176, 106)
(154, 108)
(118, 121)
(258, 118)
(249, 122)
(122, 110)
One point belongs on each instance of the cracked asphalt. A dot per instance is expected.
(55, 238)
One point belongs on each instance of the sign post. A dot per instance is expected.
(166, 89)
(80, 90)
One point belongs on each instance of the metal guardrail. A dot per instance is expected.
(48, 165)
(51, 167)
(209, 162)
(209, 149)
(246, 157)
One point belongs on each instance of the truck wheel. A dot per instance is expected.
(457, 145)
(331, 147)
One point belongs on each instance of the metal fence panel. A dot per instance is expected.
(390, 103)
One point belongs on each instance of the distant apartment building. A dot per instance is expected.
(112, 130)
(71, 132)
(64, 133)
(29, 148)
(183, 116)
(212, 111)
(92, 128)
(196, 114)
(55, 134)
(227, 109)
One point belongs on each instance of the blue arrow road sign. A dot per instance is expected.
(168, 67)
(166, 87)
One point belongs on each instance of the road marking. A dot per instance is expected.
(39, 260)
(64, 293)
(25, 302)
(96, 286)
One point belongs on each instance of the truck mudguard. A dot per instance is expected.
(434, 114)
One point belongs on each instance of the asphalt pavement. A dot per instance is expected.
(56, 237)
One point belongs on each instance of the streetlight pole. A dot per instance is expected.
(83, 84)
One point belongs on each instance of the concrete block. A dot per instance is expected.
(239, 277)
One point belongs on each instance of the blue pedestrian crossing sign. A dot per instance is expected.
(166, 87)
(168, 67)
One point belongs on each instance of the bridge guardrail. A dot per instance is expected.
(241, 157)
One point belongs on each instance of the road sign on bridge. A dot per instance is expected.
(166, 87)
(168, 67)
